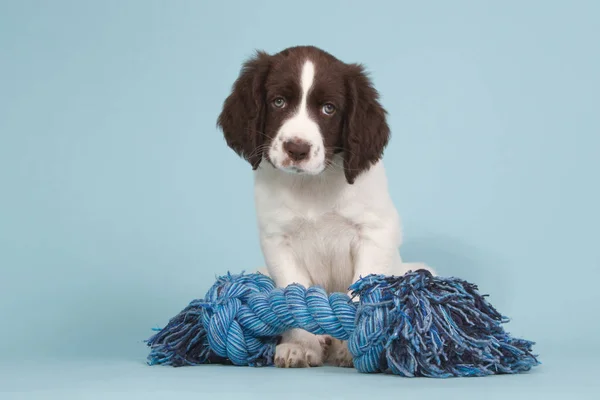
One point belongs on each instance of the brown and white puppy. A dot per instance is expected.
(314, 132)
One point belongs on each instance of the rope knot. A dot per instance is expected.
(225, 304)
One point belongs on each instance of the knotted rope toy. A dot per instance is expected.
(415, 325)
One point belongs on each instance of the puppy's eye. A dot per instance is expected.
(328, 109)
(279, 102)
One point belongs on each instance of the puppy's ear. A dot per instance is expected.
(242, 118)
(366, 132)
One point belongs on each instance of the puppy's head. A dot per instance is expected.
(297, 108)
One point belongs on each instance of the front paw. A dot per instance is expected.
(325, 341)
(339, 355)
(294, 355)
(415, 266)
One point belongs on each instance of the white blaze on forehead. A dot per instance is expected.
(306, 81)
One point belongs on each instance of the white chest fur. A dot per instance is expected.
(319, 230)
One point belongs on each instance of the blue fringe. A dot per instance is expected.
(415, 325)
(433, 327)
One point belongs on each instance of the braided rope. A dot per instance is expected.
(414, 325)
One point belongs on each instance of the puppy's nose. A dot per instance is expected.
(297, 150)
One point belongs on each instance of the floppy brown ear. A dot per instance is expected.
(243, 115)
(366, 132)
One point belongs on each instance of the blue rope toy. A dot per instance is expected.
(415, 325)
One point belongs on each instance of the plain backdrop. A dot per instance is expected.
(120, 202)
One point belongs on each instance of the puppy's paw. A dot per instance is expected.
(339, 354)
(415, 266)
(294, 355)
(325, 341)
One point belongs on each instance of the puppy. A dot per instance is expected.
(314, 132)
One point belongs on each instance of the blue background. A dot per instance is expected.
(120, 202)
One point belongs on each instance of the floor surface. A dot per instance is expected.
(571, 379)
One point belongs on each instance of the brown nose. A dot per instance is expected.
(297, 149)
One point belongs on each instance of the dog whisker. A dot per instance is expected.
(258, 150)
(333, 163)
(261, 133)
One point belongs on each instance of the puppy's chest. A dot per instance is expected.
(314, 217)
(319, 229)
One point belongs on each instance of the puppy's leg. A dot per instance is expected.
(339, 355)
(298, 348)
(414, 266)
(376, 252)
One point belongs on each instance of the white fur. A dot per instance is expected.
(300, 127)
(316, 229)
